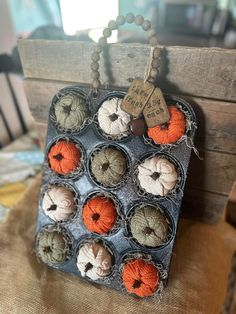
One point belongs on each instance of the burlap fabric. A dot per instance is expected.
(197, 284)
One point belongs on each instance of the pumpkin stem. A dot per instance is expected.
(52, 207)
(155, 175)
(95, 216)
(147, 230)
(137, 284)
(113, 117)
(88, 266)
(164, 126)
(67, 109)
(105, 166)
(58, 157)
(47, 249)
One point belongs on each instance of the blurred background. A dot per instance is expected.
(199, 23)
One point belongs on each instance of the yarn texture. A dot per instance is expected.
(64, 157)
(71, 111)
(58, 203)
(112, 119)
(171, 131)
(157, 176)
(53, 246)
(140, 277)
(108, 166)
(99, 214)
(94, 261)
(149, 226)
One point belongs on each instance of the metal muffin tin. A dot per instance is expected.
(128, 193)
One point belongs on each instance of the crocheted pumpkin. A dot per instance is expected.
(149, 226)
(94, 261)
(64, 157)
(140, 277)
(99, 214)
(171, 131)
(58, 203)
(53, 246)
(108, 165)
(157, 176)
(112, 119)
(70, 111)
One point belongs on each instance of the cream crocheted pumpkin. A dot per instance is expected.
(149, 226)
(94, 261)
(58, 203)
(71, 111)
(112, 119)
(157, 176)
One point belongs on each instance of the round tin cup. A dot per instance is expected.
(67, 185)
(131, 254)
(191, 123)
(91, 238)
(67, 236)
(125, 177)
(139, 205)
(76, 91)
(118, 138)
(119, 210)
(72, 175)
(172, 194)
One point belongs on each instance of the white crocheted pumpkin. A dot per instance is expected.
(94, 261)
(112, 119)
(157, 176)
(58, 203)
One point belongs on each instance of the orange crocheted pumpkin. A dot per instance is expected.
(99, 214)
(64, 157)
(140, 277)
(171, 131)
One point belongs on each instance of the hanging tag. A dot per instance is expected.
(156, 111)
(137, 97)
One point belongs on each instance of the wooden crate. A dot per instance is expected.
(205, 77)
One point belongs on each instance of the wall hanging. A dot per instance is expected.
(114, 173)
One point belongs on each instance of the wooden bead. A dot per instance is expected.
(96, 84)
(153, 41)
(95, 75)
(130, 18)
(107, 32)
(139, 20)
(138, 126)
(151, 32)
(94, 66)
(156, 63)
(154, 73)
(146, 25)
(156, 53)
(120, 20)
(112, 25)
(102, 41)
(98, 49)
(95, 56)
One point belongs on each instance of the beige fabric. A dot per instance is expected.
(197, 284)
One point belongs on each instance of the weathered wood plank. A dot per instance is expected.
(204, 72)
(204, 206)
(216, 118)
